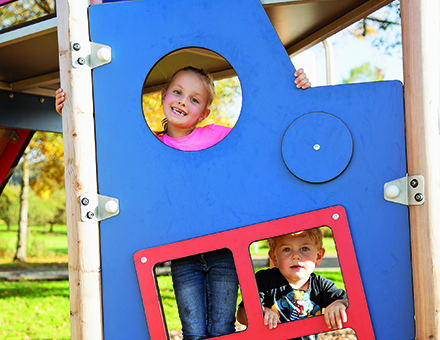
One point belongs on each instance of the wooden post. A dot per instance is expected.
(80, 175)
(421, 59)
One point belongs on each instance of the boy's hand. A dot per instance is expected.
(271, 318)
(301, 81)
(59, 100)
(335, 314)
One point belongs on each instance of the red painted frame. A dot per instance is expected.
(11, 152)
(238, 241)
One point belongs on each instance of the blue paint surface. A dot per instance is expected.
(317, 147)
(168, 195)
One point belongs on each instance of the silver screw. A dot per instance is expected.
(335, 216)
(90, 215)
(418, 197)
(76, 46)
(81, 61)
(316, 147)
(144, 259)
(85, 201)
(414, 183)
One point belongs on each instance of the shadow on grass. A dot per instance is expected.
(32, 266)
(34, 289)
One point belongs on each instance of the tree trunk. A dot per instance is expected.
(20, 255)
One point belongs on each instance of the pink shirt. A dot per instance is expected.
(200, 138)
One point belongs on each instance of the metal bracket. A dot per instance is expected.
(14, 137)
(98, 207)
(90, 55)
(408, 190)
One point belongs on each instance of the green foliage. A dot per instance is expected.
(364, 73)
(41, 211)
(24, 10)
(34, 310)
(9, 205)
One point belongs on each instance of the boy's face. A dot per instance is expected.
(296, 257)
(185, 101)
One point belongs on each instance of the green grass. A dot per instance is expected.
(40, 244)
(34, 310)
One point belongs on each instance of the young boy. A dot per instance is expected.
(291, 290)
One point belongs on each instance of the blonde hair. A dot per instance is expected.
(315, 235)
(207, 81)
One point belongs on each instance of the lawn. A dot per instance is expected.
(40, 309)
(34, 310)
(40, 244)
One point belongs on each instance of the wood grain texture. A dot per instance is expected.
(421, 41)
(80, 175)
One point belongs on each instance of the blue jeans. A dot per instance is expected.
(206, 288)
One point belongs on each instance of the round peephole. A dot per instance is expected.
(191, 99)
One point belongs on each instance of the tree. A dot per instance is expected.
(20, 254)
(383, 25)
(48, 163)
(21, 11)
(45, 155)
(364, 73)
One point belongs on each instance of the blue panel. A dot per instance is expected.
(168, 195)
(317, 147)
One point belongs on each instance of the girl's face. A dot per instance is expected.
(185, 103)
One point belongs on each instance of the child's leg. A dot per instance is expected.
(189, 281)
(222, 284)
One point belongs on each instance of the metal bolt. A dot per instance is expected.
(90, 215)
(76, 46)
(335, 216)
(144, 259)
(418, 197)
(414, 183)
(41, 100)
(316, 147)
(11, 95)
(85, 201)
(81, 61)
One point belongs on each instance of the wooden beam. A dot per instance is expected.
(421, 46)
(337, 25)
(43, 80)
(28, 32)
(80, 175)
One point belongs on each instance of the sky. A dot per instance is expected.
(349, 52)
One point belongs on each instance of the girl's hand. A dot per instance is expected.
(271, 318)
(301, 81)
(59, 100)
(335, 314)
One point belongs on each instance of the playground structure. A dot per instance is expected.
(421, 87)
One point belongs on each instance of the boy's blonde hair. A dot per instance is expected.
(315, 235)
